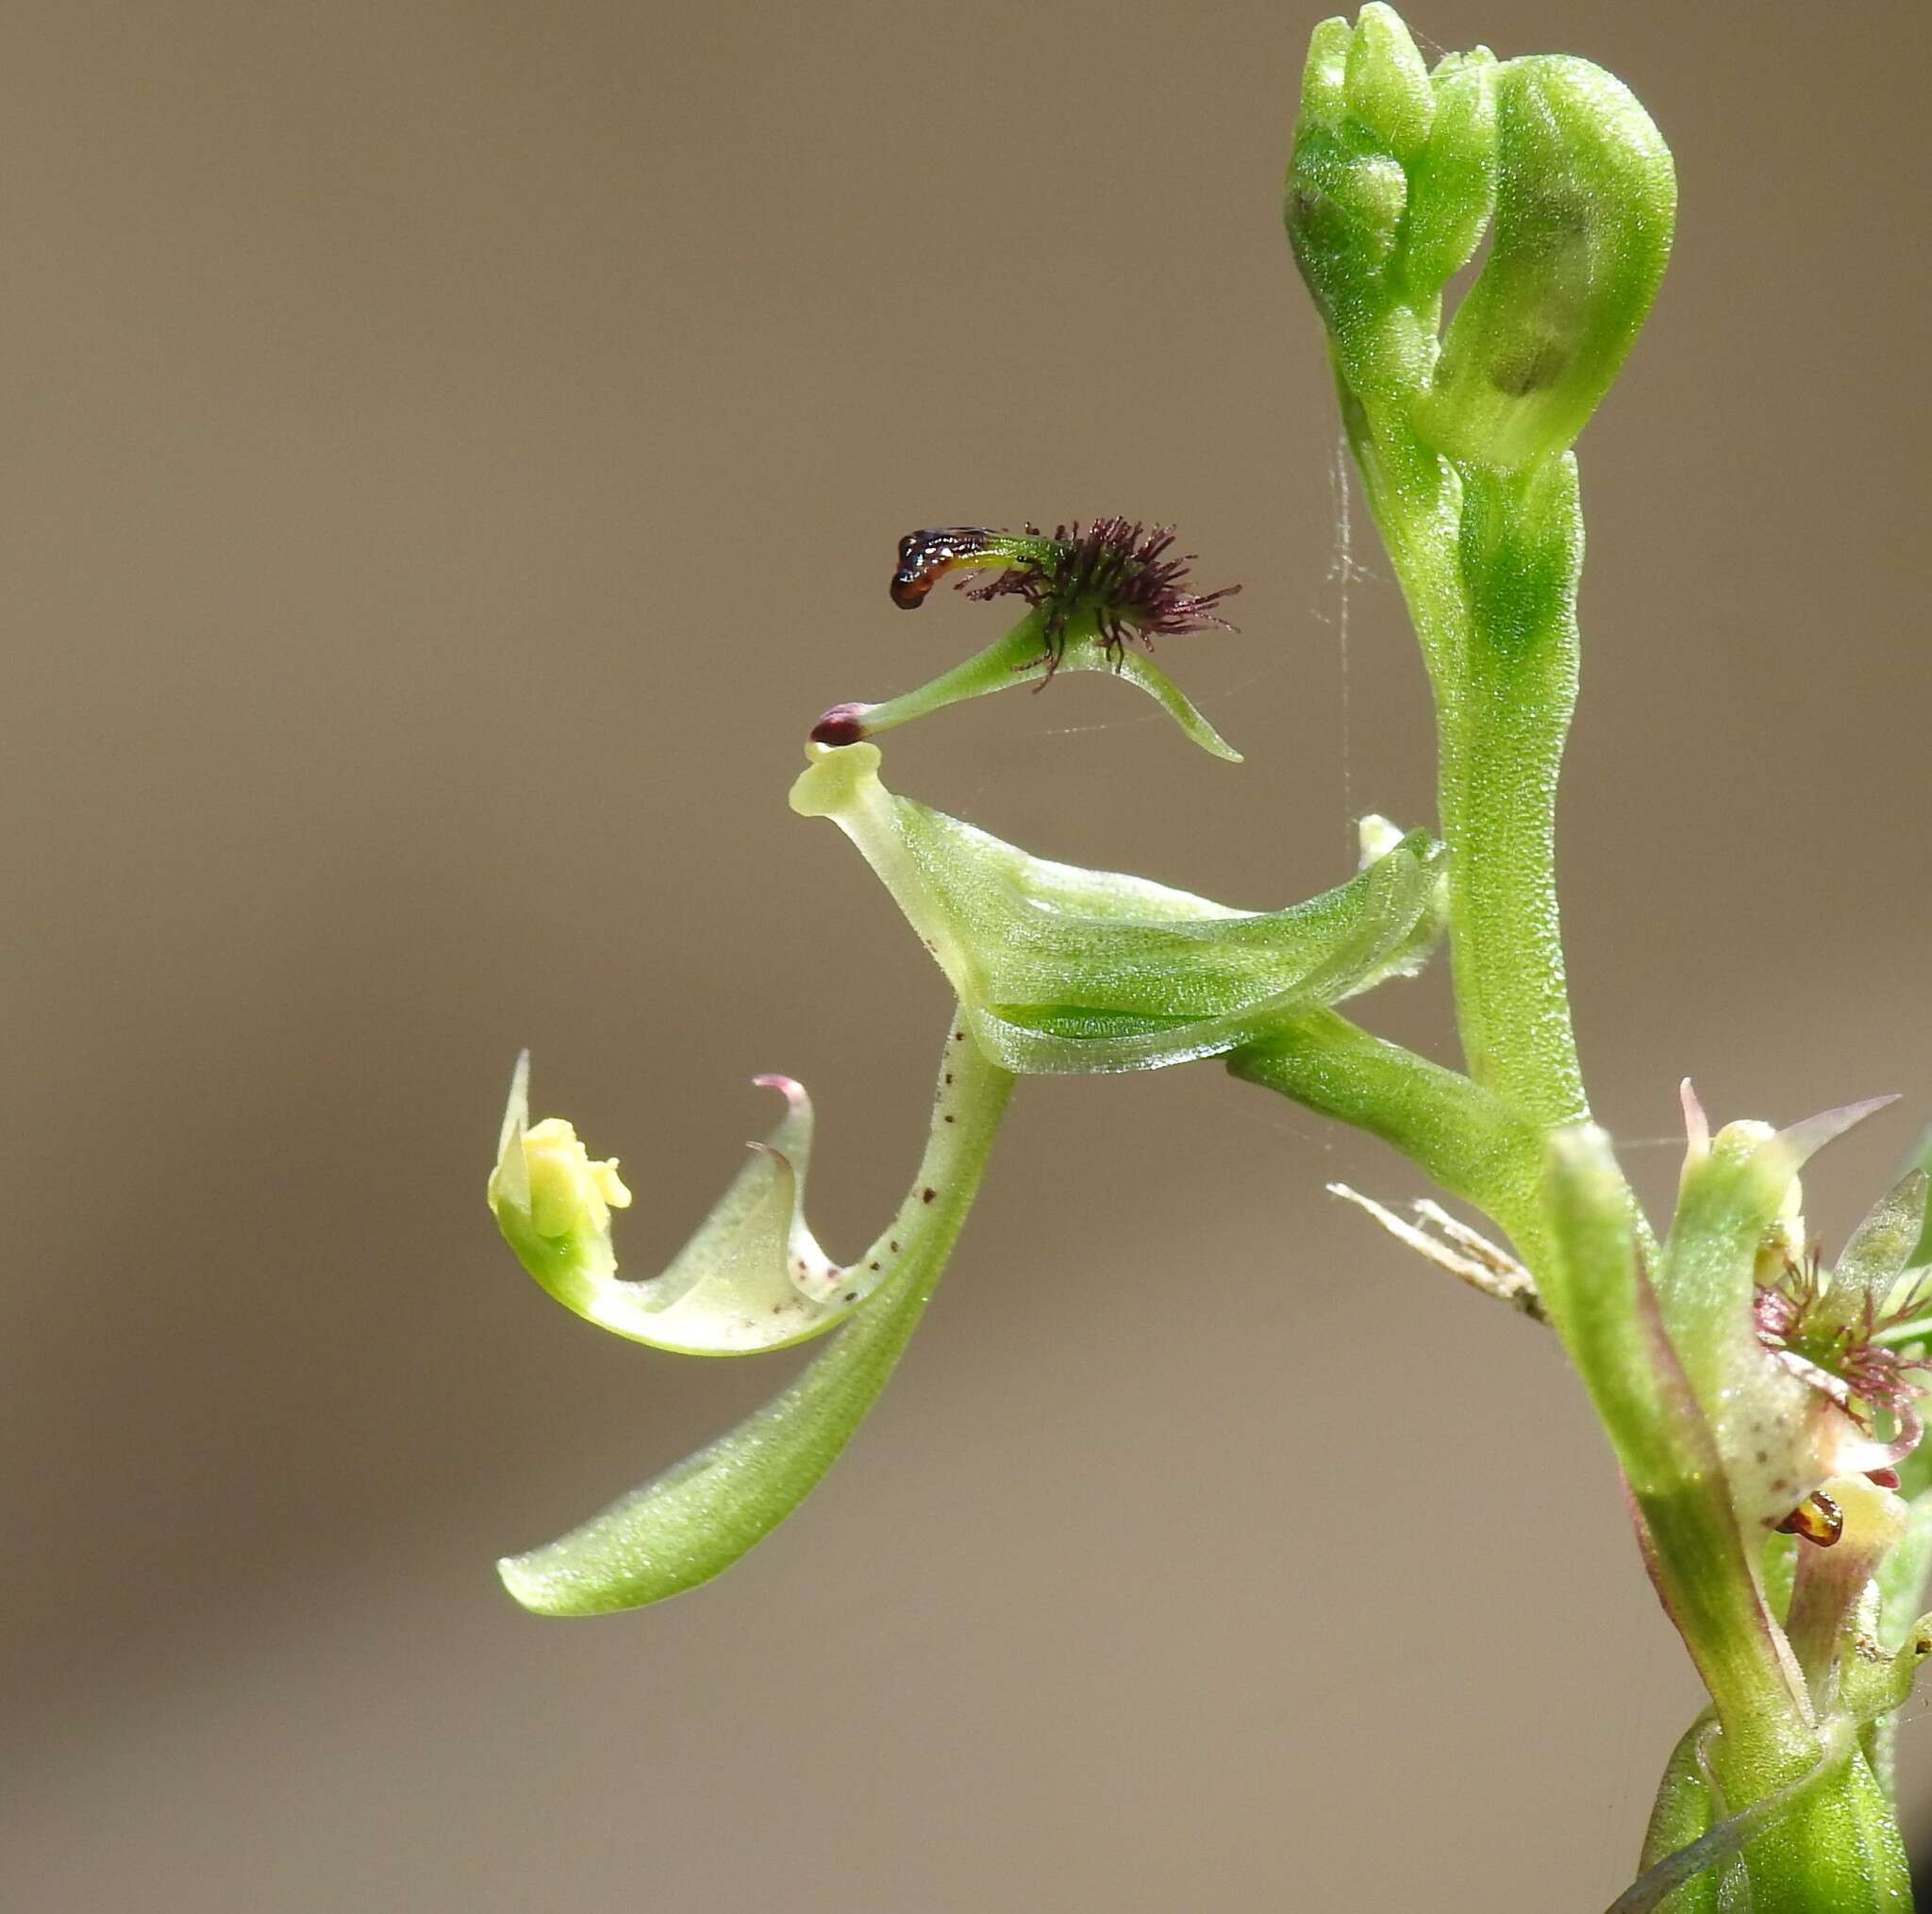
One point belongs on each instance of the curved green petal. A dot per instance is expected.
(703, 1513)
(1063, 969)
(1021, 658)
(752, 1277)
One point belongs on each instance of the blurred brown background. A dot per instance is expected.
(450, 455)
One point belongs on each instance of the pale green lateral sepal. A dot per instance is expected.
(1871, 1267)
(752, 1278)
(1921, 1159)
(1453, 182)
(703, 1513)
(1021, 658)
(1067, 970)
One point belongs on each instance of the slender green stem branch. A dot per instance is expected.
(1455, 1131)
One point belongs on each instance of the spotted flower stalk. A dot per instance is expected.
(1762, 1403)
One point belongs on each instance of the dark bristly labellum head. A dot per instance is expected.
(1094, 600)
(1123, 578)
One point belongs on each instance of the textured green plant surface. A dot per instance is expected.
(1760, 1402)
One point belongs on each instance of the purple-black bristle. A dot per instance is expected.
(1121, 572)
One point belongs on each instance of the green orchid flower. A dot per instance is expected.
(1067, 970)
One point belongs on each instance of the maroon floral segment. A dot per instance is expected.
(1126, 576)
(1123, 575)
(1840, 1354)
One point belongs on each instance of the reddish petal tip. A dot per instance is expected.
(842, 725)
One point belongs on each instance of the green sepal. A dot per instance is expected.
(706, 1512)
(1065, 970)
(1921, 1159)
(1681, 1814)
(1873, 1263)
(752, 1276)
(1601, 1303)
(1585, 207)
(1021, 658)
(1902, 1574)
(1325, 75)
(1386, 86)
(1452, 185)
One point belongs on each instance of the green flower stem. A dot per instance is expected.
(1488, 564)
(1458, 1133)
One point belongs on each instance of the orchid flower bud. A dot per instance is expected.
(1389, 190)
(1585, 202)
(1064, 969)
(1366, 109)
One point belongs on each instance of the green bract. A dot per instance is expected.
(1061, 969)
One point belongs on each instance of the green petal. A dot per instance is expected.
(1875, 1257)
(701, 1515)
(1922, 1159)
(752, 1277)
(1020, 658)
(1063, 969)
